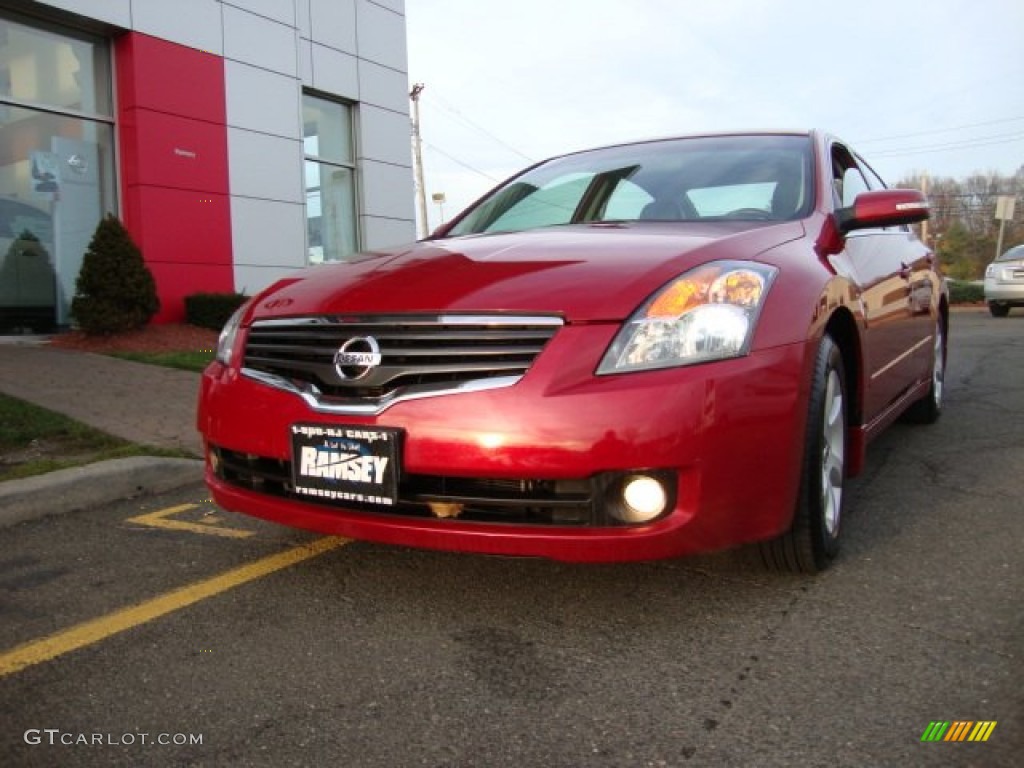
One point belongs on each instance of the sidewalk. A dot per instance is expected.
(147, 404)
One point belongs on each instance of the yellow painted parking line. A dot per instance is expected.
(160, 519)
(89, 632)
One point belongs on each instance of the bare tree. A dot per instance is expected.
(963, 228)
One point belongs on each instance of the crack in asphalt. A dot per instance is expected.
(729, 705)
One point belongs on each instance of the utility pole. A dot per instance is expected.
(417, 161)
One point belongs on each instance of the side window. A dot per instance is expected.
(853, 184)
(851, 176)
(847, 179)
(874, 180)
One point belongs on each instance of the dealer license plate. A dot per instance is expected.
(347, 464)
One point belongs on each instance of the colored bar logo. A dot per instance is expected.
(958, 730)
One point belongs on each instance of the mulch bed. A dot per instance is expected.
(153, 338)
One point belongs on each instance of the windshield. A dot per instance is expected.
(753, 178)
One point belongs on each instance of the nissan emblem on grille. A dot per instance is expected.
(357, 357)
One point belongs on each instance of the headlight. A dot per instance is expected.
(709, 313)
(228, 334)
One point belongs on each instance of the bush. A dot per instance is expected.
(212, 310)
(965, 293)
(115, 290)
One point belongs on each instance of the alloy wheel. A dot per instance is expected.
(833, 454)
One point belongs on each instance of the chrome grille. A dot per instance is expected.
(420, 356)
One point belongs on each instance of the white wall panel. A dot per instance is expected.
(259, 41)
(111, 11)
(305, 61)
(385, 135)
(268, 234)
(387, 190)
(381, 35)
(278, 10)
(335, 72)
(383, 87)
(262, 101)
(267, 167)
(333, 23)
(302, 17)
(250, 279)
(398, 6)
(385, 233)
(195, 23)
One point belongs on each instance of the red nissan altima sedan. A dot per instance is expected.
(628, 353)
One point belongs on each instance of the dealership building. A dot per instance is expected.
(238, 140)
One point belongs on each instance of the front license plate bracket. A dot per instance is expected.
(346, 464)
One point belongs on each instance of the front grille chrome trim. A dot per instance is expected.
(316, 400)
(494, 321)
(420, 355)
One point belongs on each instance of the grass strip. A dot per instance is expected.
(61, 442)
(186, 361)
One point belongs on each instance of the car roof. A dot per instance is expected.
(700, 135)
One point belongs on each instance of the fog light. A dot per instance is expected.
(644, 499)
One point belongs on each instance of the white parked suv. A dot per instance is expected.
(1004, 282)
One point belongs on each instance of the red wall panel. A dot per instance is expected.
(193, 233)
(172, 137)
(167, 77)
(173, 151)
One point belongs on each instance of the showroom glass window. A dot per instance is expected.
(56, 166)
(330, 179)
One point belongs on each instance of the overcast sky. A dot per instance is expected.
(932, 86)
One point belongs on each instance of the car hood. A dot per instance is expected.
(585, 273)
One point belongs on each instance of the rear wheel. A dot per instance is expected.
(998, 310)
(928, 409)
(812, 542)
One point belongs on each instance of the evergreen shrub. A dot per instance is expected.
(115, 290)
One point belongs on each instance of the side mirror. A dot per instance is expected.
(883, 208)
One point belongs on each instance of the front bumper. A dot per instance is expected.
(1003, 291)
(728, 436)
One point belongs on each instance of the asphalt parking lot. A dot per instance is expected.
(164, 631)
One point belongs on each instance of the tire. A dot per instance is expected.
(812, 542)
(998, 310)
(928, 409)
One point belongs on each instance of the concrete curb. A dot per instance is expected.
(77, 488)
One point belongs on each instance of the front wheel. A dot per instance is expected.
(998, 310)
(812, 542)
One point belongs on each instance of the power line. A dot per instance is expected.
(476, 126)
(467, 166)
(861, 142)
(987, 141)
